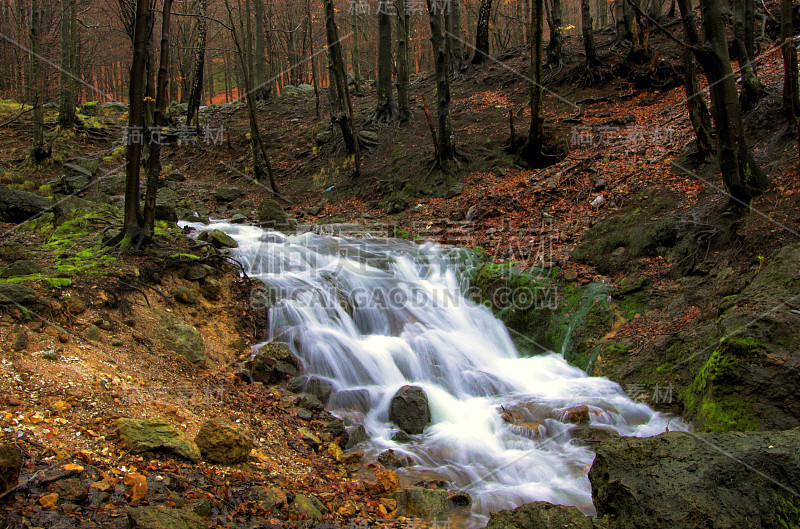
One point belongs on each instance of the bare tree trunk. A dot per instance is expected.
(386, 109)
(533, 146)
(40, 151)
(592, 58)
(555, 58)
(751, 86)
(457, 51)
(344, 117)
(154, 162)
(482, 32)
(791, 91)
(132, 223)
(66, 113)
(314, 80)
(192, 117)
(262, 92)
(403, 103)
(445, 127)
(354, 52)
(741, 174)
(698, 111)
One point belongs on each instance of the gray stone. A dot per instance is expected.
(409, 409)
(271, 214)
(540, 515)
(22, 267)
(324, 137)
(425, 503)
(10, 466)
(210, 289)
(18, 206)
(220, 239)
(185, 295)
(162, 517)
(184, 340)
(319, 388)
(93, 333)
(228, 194)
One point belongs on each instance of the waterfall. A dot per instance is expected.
(373, 314)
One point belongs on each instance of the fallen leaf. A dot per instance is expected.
(73, 466)
(48, 501)
(138, 485)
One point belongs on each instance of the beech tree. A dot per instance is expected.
(446, 142)
(386, 110)
(482, 32)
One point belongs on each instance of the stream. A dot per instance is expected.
(374, 314)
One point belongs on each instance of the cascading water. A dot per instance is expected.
(372, 315)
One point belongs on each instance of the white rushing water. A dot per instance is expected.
(372, 315)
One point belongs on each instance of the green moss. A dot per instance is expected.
(184, 256)
(50, 356)
(730, 415)
(787, 512)
(53, 282)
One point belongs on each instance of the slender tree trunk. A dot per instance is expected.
(698, 111)
(314, 80)
(445, 127)
(533, 146)
(482, 32)
(156, 138)
(403, 103)
(344, 115)
(196, 86)
(66, 113)
(132, 217)
(386, 109)
(260, 59)
(39, 152)
(555, 59)
(791, 90)
(592, 58)
(354, 52)
(457, 51)
(741, 174)
(751, 86)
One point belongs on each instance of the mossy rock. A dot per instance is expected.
(163, 517)
(270, 214)
(155, 435)
(223, 442)
(184, 340)
(11, 293)
(22, 267)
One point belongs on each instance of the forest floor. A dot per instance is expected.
(88, 350)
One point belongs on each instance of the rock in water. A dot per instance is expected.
(409, 409)
(272, 361)
(10, 465)
(224, 442)
(712, 480)
(143, 435)
(540, 515)
(424, 503)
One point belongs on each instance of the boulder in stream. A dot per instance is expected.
(409, 409)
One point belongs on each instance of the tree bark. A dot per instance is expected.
(751, 86)
(132, 220)
(403, 102)
(262, 91)
(66, 112)
(555, 57)
(314, 80)
(386, 110)
(592, 58)
(791, 90)
(698, 111)
(457, 51)
(482, 32)
(192, 112)
(355, 56)
(344, 117)
(742, 177)
(39, 150)
(156, 138)
(533, 146)
(445, 127)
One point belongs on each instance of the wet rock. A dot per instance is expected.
(224, 442)
(185, 295)
(591, 435)
(10, 465)
(23, 267)
(228, 194)
(272, 363)
(18, 206)
(184, 340)
(459, 498)
(219, 239)
(155, 435)
(577, 414)
(409, 409)
(424, 503)
(270, 214)
(388, 481)
(162, 517)
(297, 384)
(390, 459)
(319, 388)
(355, 436)
(310, 438)
(305, 414)
(310, 402)
(712, 480)
(305, 505)
(16, 293)
(402, 437)
(540, 515)
(211, 289)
